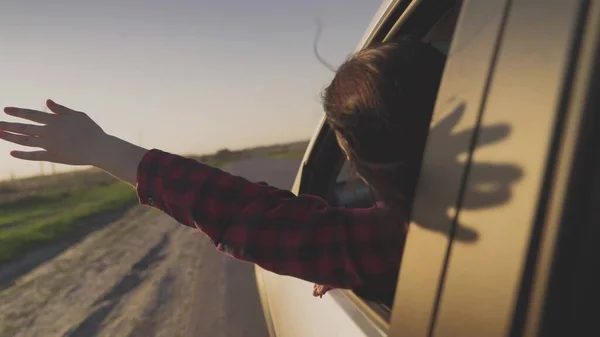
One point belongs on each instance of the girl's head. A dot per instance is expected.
(379, 104)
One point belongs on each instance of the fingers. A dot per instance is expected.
(32, 156)
(487, 135)
(503, 173)
(40, 116)
(465, 234)
(58, 109)
(447, 124)
(492, 134)
(24, 129)
(21, 139)
(32, 115)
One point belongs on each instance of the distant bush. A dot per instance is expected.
(6, 188)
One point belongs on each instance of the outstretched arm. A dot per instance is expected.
(71, 137)
(300, 236)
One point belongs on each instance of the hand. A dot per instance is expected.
(66, 136)
(491, 186)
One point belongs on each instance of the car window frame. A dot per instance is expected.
(324, 158)
(425, 256)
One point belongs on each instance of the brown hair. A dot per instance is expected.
(379, 104)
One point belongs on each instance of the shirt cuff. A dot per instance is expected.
(149, 185)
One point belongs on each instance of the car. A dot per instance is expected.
(502, 240)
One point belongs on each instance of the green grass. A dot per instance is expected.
(298, 154)
(45, 217)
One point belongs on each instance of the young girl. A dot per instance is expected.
(379, 105)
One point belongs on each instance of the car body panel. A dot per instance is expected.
(458, 107)
(525, 93)
(294, 312)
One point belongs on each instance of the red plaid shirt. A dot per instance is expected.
(300, 236)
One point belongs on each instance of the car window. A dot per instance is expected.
(348, 189)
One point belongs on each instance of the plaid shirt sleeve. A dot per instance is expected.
(299, 236)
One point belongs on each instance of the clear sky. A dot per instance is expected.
(186, 76)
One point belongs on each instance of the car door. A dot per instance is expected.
(291, 309)
(540, 87)
(444, 168)
(533, 149)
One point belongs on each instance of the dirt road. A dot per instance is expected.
(141, 275)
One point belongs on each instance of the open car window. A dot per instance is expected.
(345, 186)
(349, 190)
(325, 171)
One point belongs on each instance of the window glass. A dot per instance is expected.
(350, 191)
(443, 46)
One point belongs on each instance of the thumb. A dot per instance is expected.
(465, 234)
(57, 108)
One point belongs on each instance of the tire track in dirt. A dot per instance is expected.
(92, 324)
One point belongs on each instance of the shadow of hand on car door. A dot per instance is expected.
(445, 169)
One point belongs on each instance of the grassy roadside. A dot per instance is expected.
(45, 217)
(299, 154)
